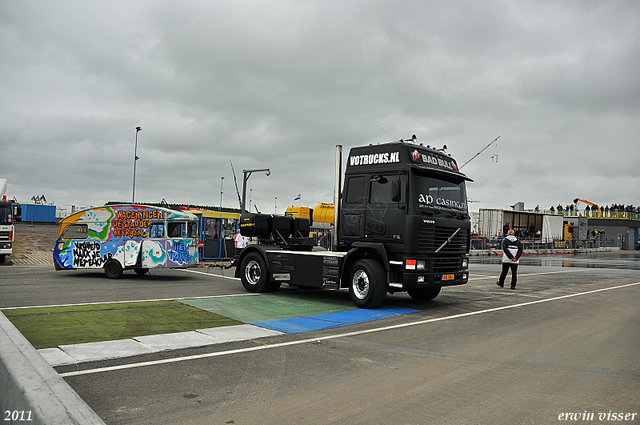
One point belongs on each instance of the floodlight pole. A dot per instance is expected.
(135, 160)
(221, 182)
(246, 175)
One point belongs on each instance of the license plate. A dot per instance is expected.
(448, 276)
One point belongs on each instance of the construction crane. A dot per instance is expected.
(584, 201)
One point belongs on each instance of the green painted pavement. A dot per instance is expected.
(267, 307)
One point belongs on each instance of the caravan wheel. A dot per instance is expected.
(113, 269)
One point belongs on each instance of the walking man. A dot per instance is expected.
(512, 248)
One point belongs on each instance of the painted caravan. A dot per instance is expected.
(127, 237)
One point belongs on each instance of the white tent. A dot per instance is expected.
(551, 228)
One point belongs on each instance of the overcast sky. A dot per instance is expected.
(277, 84)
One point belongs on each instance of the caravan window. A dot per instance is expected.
(76, 231)
(157, 230)
(177, 229)
(193, 229)
(181, 229)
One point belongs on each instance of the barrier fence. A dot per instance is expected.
(612, 214)
(602, 240)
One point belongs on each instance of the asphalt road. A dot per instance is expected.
(566, 341)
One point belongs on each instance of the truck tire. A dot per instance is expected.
(368, 284)
(255, 275)
(113, 269)
(424, 294)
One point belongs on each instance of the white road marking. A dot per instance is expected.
(336, 336)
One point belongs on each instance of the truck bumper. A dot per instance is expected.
(413, 280)
(6, 248)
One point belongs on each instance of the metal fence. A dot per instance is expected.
(602, 240)
(611, 214)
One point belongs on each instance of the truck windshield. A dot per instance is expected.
(434, 192)
(5, 214)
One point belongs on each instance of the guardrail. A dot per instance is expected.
(31, 391)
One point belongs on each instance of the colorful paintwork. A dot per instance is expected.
(137, 236)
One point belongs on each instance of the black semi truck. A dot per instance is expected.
(401, 224)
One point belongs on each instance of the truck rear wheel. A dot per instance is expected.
(113, 269)
(424, 294)
(367, 284)
(255, 275)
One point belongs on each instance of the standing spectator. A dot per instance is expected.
(559, 209)
(240, 242)
(512, 248)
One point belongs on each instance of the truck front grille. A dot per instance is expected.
(446, 264)
(431, 238)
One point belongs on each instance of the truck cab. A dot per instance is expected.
(408, 202)
(401, 224)
(6, 229)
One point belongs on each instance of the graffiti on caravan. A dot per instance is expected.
(180, 253)
(134, 224)
(442, 202)
(87, 254)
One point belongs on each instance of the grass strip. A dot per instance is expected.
(47, 327)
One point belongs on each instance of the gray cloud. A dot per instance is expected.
(279, 84)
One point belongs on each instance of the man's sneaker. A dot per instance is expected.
(513, 286)
(499, 284)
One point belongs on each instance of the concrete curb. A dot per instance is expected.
(28, 384)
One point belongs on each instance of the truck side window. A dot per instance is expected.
(382, 190)
(355, 190)
(76, 231)
(157, 230)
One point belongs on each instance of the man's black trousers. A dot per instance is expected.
(505, 270)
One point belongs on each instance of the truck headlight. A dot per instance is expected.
(421, 265)
(465, 263)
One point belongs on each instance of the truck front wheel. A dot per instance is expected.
(255, 276)
(367, 284)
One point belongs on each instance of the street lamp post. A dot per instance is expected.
(246, 175)
(135, 160)
(221, 182)
(275, 205)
